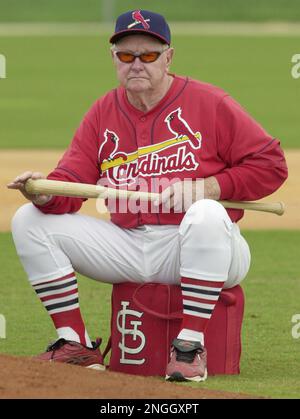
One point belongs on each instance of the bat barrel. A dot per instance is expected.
(82, 190)
(57, 188)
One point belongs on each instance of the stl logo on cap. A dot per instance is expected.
(139, 18)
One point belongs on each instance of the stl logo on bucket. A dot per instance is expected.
(134, 335)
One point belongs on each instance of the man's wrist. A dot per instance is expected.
(212, 188)
(42, 202)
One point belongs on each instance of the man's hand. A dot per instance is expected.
(19, 183)
(182, 194)
(212, 188)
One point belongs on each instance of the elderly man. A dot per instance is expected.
(157, 132)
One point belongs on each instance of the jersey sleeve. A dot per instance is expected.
(256, 165)
(78, 164)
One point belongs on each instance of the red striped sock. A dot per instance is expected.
(199, 300)
(60, 298)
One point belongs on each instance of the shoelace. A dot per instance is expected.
(53, 346)
(185, 356)
(188, 356)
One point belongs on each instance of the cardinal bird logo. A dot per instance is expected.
(179, 127)
(139, 19)
(109, 148)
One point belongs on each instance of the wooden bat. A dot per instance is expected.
(83, 190)
(273, 207)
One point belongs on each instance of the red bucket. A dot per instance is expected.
(146, 318)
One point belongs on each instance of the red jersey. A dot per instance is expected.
(196, 131)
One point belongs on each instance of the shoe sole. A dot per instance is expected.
(177, 376)
(97, 367)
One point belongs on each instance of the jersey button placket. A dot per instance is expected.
(141, 131)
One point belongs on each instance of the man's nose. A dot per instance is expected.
(137, 64)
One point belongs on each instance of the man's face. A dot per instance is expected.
(138, 77)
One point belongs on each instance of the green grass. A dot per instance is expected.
(197, 10)
(52, 81)
(270, 360)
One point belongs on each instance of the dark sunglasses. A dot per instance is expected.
(145, 57)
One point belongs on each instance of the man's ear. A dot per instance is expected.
(170, 55)
(113, 56)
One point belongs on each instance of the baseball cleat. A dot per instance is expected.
(74, 353)
(188, 361)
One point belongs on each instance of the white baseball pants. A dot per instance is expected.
(206, 245)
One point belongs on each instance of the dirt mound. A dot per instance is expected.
(22, 378)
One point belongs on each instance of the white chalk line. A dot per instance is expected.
(177, 28)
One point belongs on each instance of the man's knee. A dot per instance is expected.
(207, 219)
(25, 218)
(206, 242)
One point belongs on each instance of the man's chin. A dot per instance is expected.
(138, 84)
